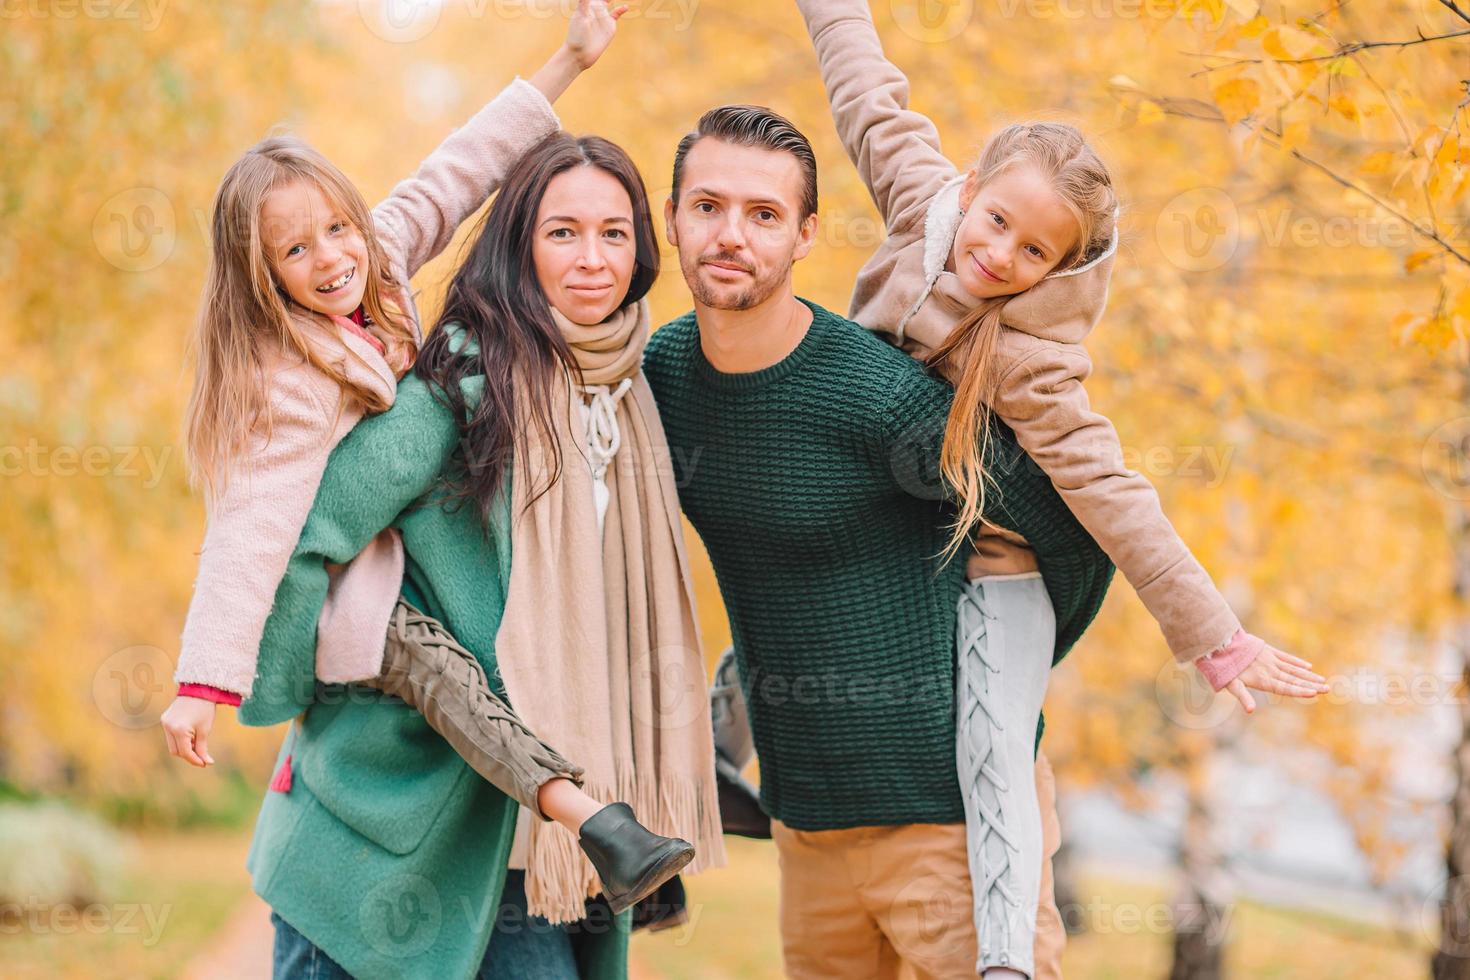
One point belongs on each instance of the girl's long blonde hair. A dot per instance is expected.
(244, 310)
(1061, 154)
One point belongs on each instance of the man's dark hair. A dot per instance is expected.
(754, 125)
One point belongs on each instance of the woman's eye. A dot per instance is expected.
(562, 233)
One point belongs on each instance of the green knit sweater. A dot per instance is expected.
(814, 485)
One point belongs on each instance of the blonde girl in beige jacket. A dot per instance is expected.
(308, 323)
(994, 277)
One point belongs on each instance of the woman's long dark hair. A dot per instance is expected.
(498, 301)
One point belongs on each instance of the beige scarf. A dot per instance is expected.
(599, 647)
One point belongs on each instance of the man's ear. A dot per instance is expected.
(969, 188)
(669, 232)
(806, 237)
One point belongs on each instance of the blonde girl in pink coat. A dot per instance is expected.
(308, 323)
(994, 276)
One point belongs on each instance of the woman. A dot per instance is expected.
(525, 467)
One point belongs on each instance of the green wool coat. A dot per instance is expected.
(389, 852)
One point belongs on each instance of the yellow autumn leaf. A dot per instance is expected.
(1416, 259)
(1254, 27)
(1294, 135)
(1448, 152)
(1377, 162)
(1289, 44)
(1345, 105)
(1238, 98)
(1149, 113)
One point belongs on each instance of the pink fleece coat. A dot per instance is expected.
(253, 526)
(904, 291)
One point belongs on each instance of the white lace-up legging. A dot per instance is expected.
(1004, 640)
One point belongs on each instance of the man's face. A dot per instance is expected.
(738, 224)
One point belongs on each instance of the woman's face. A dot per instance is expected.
(584, 250)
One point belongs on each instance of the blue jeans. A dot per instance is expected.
(522, 947)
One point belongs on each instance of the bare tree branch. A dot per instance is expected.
(1344, 51)
(1196, 109)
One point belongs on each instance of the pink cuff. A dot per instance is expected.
(215, 694)
(1226, 663)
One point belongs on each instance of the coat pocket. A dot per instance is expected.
(375, 764)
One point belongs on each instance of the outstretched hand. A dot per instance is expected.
(1276, 672)
(591, 30)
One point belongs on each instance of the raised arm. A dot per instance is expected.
(419, 217)
(895, 149)
(381, 468)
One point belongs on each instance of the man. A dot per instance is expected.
(808, 454)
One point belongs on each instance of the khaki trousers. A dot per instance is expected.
(894, 902)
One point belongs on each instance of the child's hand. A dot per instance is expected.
(591, 30)
(1275, 672)
(186, 726)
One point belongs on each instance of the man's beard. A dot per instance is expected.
(720, 298)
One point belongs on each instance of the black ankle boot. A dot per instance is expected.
(740, 804)
(631, 860)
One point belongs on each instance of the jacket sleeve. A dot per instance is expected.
(895, 149)
(383, 466)
(419, 217)
(253, 524)
(1043, 400)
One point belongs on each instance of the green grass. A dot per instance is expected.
(193, 880)
(188, 882)
(732, 934)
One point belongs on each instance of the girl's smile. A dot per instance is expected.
(1016, 230)
(317, 255)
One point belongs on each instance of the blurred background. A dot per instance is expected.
(1284, 355)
